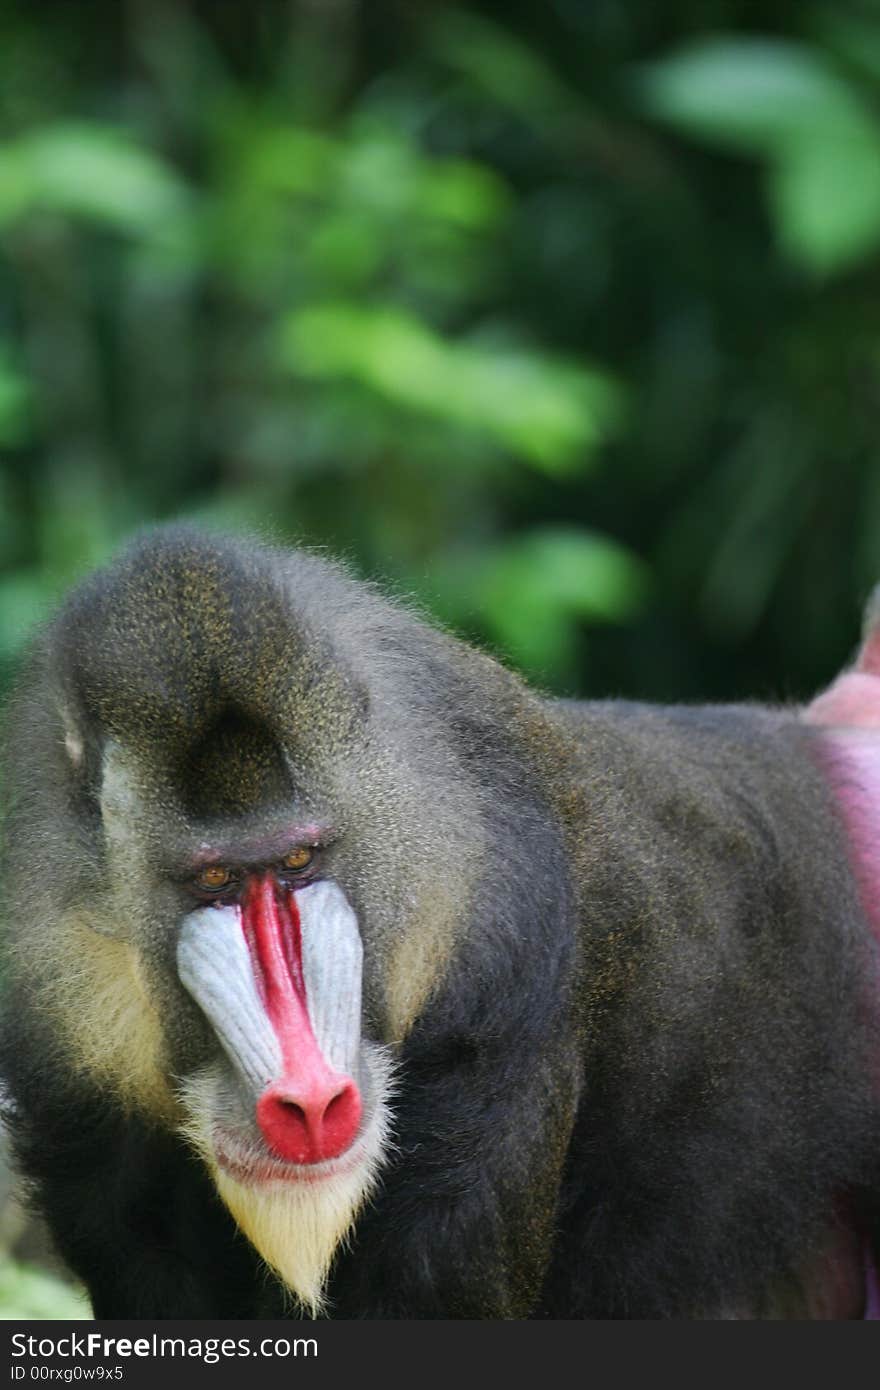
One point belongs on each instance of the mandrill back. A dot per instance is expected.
(347, 976)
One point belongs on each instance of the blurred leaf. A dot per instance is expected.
(345, 248)
(286, 158)
(90, 171)
(783, 102)
(382, 171)
(500, 65)
(367, 202)
(533, 592)
(826, 201)
(462, 193)
(576, 570)
(752, 94)
(549, 412)
(410, 196)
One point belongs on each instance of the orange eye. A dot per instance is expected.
(298, 859)
(213, 877)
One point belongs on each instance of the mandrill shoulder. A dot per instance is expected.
(708, 844)
(694, 768)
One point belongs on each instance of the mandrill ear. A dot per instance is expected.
(853, 700)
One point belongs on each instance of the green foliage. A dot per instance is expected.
(504, 69)
(92, 172)
(545, 412)
(765, 96)
(817, 135)
(564, 324)
(531, 593)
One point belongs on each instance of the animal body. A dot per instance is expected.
(346, 975)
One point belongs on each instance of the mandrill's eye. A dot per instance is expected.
(298, 859)
(213, 878)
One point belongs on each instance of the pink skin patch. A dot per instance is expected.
(849, 753)
(311, 1112)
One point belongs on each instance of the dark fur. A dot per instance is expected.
(642, 1086)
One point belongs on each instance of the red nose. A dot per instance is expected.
(307, 1121)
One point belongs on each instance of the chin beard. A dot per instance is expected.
(296, 1216)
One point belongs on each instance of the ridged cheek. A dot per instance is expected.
(215, 966)
(278, 980)
(332, 963)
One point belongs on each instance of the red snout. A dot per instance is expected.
(306, 1120)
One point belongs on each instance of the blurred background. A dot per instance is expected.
(561, 319)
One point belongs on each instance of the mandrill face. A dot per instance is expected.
(282, 1095)
(292, 1118)
(287, 1017)
(278, 976)
(289, 1028)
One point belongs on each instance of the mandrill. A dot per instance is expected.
(346, 975)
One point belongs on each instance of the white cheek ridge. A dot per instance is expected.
(214, 965)
(332, 959)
